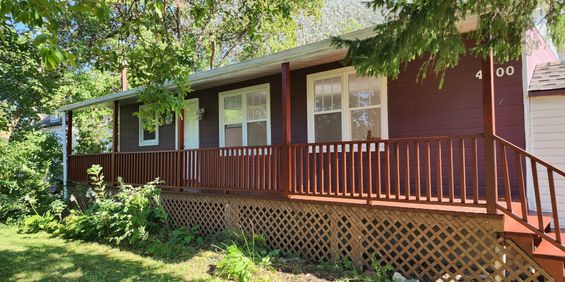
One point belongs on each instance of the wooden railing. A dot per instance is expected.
(241, 169)
(431, 169)
(143, 167)
(78, 164)
(518, 168)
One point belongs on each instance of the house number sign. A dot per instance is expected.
(499, 72)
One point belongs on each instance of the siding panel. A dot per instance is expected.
(548, 143)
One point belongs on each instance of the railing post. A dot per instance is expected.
(489, 120)
(286, 129)
(180, 147)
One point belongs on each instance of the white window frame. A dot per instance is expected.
(150, 142)
(345, 110)
(243, 92)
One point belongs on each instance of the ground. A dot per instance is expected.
(41, 257)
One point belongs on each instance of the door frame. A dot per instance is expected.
(184, 147)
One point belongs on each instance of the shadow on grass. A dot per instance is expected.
(56, 263)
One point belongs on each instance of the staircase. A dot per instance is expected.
(546, 254)
(534, 229)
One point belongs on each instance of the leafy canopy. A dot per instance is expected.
(161, 41)
(429, 29)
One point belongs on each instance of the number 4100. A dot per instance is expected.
(500, 72)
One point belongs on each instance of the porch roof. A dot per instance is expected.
(316, 53)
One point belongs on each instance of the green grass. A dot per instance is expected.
(40, 257)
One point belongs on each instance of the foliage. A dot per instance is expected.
(128, 217)
(428, 30)
(236, 265)
(25, 86)
(186, 236)
(26, 165)
(93, 125)
(161, 42)
(97, 190)
(382, 273)
(245, 253)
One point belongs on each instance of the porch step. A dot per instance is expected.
(546, 249)
(512, 226)
(551, 258)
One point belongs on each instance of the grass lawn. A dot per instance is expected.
(41, 257)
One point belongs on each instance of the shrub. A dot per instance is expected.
(186, 236)
(243, 255)
(126, 217)
(26, 167)
(236, 265)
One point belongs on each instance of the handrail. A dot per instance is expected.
(522, 158)
(530, 155)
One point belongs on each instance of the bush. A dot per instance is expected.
(236, 265)
(243, 255)
(186, 236)
(128, 216)
(26, 167)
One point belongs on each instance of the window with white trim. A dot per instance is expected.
(245, 117)
(343, 106)
(148, 137)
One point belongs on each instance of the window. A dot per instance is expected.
(245, 117)
(146, 137)
(54, 118)
(343, 106)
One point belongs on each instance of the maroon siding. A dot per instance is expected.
(414, 109)
(129, 132)
(422, 109)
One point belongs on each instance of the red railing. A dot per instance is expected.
(522, 170)
(78, 164)
(430, 169)
(241, 169)
(143, 167)
(434, 169)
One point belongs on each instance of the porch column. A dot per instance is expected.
(286, 130)
(489, 120)
(115, 140)
(67, 124)
(69, 133)
(180, 148)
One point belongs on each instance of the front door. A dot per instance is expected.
(191, 121)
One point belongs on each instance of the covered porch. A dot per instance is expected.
(479, 174)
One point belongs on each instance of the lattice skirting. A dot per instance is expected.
(424, 245)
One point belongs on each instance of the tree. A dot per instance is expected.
(94, 125)
(25, 85)
(162, 41)
(428, 29)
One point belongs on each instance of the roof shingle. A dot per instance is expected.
(549, 76)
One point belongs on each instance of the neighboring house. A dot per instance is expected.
(300, 125)
(53, 124)
(546, 97)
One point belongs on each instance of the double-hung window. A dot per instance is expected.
(245, 117)
(148, 137)
(343, 106)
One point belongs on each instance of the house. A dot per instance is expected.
(295, 145)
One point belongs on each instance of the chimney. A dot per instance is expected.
(124, 75)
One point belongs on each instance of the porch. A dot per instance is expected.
(480, 175)
(444, 173)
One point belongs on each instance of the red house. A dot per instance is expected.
(436, 182)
